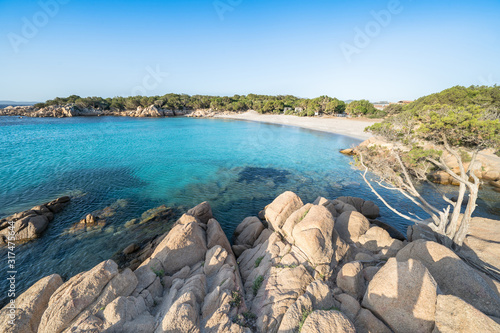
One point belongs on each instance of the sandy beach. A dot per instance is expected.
(345, 126)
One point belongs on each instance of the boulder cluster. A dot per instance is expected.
(72, 110)
(31, 223)
(314, 267)
(154, 111)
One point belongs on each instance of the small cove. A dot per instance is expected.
(239, 167)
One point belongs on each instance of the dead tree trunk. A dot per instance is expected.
(450, 225)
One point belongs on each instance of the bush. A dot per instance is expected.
(377, 115)
(235, 299)
(257, 284)
(257, 261)
(305, 314)
(394, 109)
(361, 107)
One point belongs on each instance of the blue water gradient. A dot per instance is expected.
(239, 167)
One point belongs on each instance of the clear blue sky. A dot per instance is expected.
(305, 48)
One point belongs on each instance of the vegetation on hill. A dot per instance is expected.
(261, 103)
(364, 108)
(444, 122)
(485, 97)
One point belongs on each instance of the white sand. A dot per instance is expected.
(345, 126)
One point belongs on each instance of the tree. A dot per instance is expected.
(268, 107)
(335, 106)
(449, 128)
(392, 109)
(313, 106)
(360, 108)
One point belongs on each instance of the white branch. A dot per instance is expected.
(380, 197)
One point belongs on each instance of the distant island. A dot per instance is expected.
(4, 104)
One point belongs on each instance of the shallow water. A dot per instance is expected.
(239, 167)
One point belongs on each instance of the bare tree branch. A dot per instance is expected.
(425, 205)
(380, 197)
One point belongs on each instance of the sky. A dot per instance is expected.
(367, 49)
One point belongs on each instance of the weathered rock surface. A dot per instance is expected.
(313, 235)
(348, 305)
(351, 225)
(314, 267)
(30, 306)
(377, 239)
(150, 111)
(69, 300)
(465, 283)
(185, 245)
(281, 208)
(481, 245)
(455, 315)
(365, 207)
(404, 295)
(322, 321)
(248, 231)
(366, 322)
(350, 279)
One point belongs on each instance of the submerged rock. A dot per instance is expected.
(30, 224)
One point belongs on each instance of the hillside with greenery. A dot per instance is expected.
(485, 97)
(469, 117)
(238, 103)
(459, 122)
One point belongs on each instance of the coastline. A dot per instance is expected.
(350, 127)
(342, 126)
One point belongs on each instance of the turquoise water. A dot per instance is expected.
(239, 167)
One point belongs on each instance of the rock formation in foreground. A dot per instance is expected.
(314, 267)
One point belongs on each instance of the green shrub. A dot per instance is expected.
(305, 314)
(304, 215)
(235, 299)
(159, 272)
(249, 315)
(257, 261)
(257, 284)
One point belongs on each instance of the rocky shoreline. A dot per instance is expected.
(314, 267)
(71, 110)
